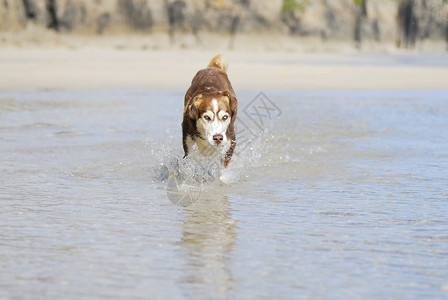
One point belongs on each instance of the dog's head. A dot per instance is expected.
(213, 113)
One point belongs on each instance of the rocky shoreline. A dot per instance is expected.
(405, 23)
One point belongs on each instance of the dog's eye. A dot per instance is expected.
(225, 117)
(207, 118)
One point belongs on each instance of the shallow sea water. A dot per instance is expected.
(343, 195)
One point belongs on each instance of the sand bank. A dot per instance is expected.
(101, 67)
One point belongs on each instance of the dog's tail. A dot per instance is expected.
(218, 62)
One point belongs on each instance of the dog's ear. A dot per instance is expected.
(233, 103)
(226, 94)
(197, 100)
(193, 108)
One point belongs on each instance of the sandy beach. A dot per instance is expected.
(99, 66)
(338, 190)
(337, 187)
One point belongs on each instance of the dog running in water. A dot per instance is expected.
(210, 113)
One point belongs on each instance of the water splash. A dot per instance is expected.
(186, 179)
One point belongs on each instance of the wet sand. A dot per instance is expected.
(103, 67)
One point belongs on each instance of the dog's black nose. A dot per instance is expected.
(217, 138)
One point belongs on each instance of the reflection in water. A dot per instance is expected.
(345, 195)
(208, 238)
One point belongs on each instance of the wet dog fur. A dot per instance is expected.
(210, 110)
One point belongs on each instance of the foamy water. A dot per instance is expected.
(342, 195)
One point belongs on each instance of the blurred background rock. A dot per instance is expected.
(199, 23)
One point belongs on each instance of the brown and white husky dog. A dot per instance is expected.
(210, 109)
